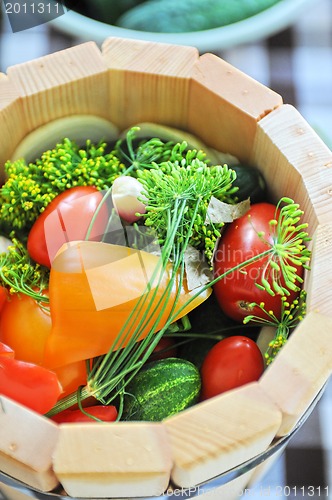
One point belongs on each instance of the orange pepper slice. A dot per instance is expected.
(94, 288)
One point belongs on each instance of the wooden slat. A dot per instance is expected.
(27, 441)
(300, 370)
(225, 105)
(113, 460)
(220, 433)
(13, 126)
(295, 162)
(148, 81)
(72, 81)
(319, 279)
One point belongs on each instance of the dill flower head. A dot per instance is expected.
(192, 182)
(19, 274)
(30, 188)
(291, 315)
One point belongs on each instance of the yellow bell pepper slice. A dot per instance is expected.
(93, 289)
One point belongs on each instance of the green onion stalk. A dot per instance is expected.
(176, 197)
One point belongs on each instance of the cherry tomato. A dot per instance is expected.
(237, 291)
(25, 326)
(67, 218)
(232, 362)
(28, 384)
(104, 413)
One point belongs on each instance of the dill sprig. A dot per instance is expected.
(30, 188)
(69, 165)
(288, 250)
(141, 155)
(19, 274)
(192, 179)
(153, 152)
(291, 314)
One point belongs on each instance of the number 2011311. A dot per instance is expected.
(33, 8)
(302, 491)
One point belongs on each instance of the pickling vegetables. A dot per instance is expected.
(30, 188)
(125, 193)
(67, 217)
(25, 325)
(110, 280)
(232, 362)
(161, 389)
(95, 413)
(27, 383)
(275, 233)
(95, 287)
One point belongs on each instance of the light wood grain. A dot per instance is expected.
(27, 441)
(113, 460)
(72, 81)
(295, 162)
(148, 81)
(13, 126)
(225, 105)
(220, 433)
(300, 370)
(319, 279)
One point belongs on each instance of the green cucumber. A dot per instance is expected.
(106, 11)
(162, 388)
(251, 183)
(172, 16)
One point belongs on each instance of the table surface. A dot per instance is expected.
(296, 63)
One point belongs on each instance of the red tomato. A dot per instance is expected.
(28, 384)
(25, 326)
(239, 243)
(104, 413)
(232, 362)
(66, 218)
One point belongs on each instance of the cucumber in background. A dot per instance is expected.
(105, 11)
(172, 16)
